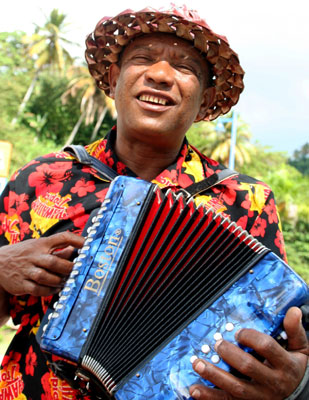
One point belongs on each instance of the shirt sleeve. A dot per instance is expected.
(267, 228)
(13, 229)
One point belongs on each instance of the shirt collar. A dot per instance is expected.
(187, 168)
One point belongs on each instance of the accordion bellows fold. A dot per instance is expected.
(157, 282)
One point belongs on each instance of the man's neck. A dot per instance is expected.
(144, 159)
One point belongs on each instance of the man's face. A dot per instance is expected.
(159, 88)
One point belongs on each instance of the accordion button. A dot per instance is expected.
(283, 335)
(193, 358)
(217, 336)
(205, 348)
(229, 327)
(215, 359)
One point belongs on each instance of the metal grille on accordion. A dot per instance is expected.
(157, 282)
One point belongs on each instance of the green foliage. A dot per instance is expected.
(300, 159)
(12, 53)
(216, 143)
(46, 103)
(26, 145)
(297, 246)
(198, 134)
(15, 72)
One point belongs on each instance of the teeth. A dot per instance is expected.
(153, 99)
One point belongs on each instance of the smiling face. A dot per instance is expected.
(160, 89)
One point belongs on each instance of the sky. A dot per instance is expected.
(270, 37)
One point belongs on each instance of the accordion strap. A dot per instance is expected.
(81, 154)
(212, 180)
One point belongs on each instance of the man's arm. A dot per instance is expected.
(36, 266)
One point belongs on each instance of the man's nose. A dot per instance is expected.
(161, 73)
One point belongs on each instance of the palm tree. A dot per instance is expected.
(94, 103)
(216, 143)
(46, 47)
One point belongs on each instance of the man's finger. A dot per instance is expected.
(297, 339)
(63, 239)
(265, 346)
(200, 392)
(42, 277)
(55, 264)
(237, 388)
(243, 362)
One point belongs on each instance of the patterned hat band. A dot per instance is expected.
(111, 35)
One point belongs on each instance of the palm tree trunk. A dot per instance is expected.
(75, 129)
(98, 124)
(26, 97)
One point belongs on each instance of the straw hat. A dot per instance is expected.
(111, 35)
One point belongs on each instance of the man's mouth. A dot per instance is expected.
(154, 99)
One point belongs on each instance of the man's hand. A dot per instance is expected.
(38, 266)
(275, 379)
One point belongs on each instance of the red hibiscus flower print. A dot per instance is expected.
(31, 362)
(17, 203)
(49, 178)
(77, 215)
(258, 228)
(83, 187)
(271, 211)
(227, 194)
(14, 357)
(24, 228)
(121, 168)
(45, 380)
(89, 170)
(246, 204)
(279, 242)
(101, 195)
(243, 222)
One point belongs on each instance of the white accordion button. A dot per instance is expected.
(205, 348)
(283, 335)
(215, 359)
(193, 358)
(217, 336)
(229, 327)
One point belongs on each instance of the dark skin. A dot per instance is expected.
(36, 266)
(160, 89)
(275, 379)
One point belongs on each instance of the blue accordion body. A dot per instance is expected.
(259, 299)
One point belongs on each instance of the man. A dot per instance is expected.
(165, 71)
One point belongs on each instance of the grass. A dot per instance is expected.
(6, 334)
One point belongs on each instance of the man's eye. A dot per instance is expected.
(142, 58)
(187, 67)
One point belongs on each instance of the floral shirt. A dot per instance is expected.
(56, 193)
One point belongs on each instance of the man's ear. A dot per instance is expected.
(207, 101)
(113, 74)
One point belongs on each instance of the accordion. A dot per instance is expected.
(156, 283)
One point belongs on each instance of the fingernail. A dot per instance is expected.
(196, 394)
(217, 344)
(237, 334)
(200, 367)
